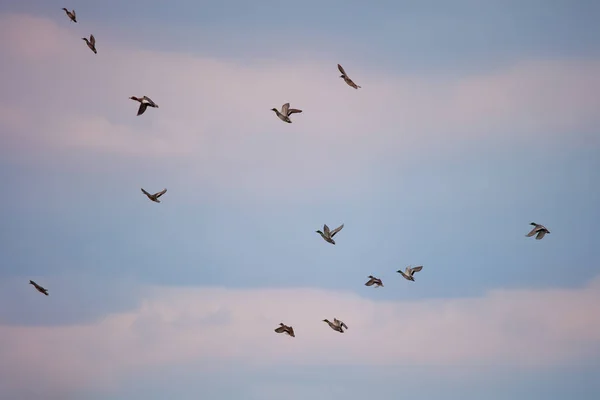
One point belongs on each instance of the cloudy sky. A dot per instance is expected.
(474, 119)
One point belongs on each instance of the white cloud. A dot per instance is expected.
(177, 325)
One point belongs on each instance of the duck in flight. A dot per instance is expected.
(91, 43)
(336, 325)
(288, 330)
(539, 229)
(39, 288)
(374, 281)
(71, 15)
(154, 197)
(145, 102)
(328, 235)
(285, 113)
(347, 78)
(408, 274)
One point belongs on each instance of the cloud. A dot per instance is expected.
(218, 112)
(217, 326)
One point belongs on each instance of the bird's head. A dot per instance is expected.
(274, 109)
(325, 320)
(65, 9)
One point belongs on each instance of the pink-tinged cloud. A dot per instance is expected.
(529, 328)
(217, 114)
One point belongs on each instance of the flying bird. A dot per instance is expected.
(539, 229)
(336, 325)
(71, 15)
(145, 102)
(327, 235)
(408, 274)
(374, 281)
(154, 197)
(91, 43)
(288, 330)
(39, 288)
(346, 78)
(285, 113)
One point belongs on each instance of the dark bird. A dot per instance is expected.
(71, 15)
(154, 197)
(39, 288)
(285, 329)
(374, 281)
(91, 43)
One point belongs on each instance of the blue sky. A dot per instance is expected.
(473, 120)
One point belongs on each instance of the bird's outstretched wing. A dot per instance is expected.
(142, 108)
(281, 329)
(530, 234)
(158, 194)
(341, 69)
(336, 230)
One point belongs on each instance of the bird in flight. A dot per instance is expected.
(91, 43)
(374, 281)
(347, 78)
(328, 235)
(336, 325)
(154, 197)
(408, 274)
(285, 113)
(39, 288)
(71, 15)
(145, 102)
(288, 330)
(539, 229)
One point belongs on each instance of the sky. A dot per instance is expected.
(473, 120)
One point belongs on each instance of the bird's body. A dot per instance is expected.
(154, 197)
(39, 288)
(288, 330)
(91, 43)
(328, 235)
(374, 281)
(145, 102)
(347, 78)
(541, 231)
(71, 15)
(336, 325)
(285, 113)
(408, 273)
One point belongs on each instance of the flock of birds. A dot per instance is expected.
(337, 325)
